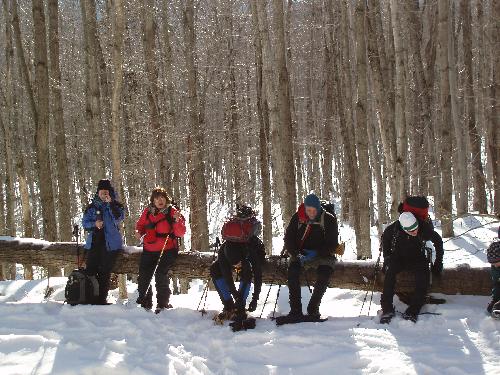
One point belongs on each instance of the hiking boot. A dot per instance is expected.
(489, 308)
(387, 316)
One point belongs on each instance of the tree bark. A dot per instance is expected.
(479, 202)
(63, 181)
(445, 204)
(197, 185)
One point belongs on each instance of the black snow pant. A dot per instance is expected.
(99, 263)
(147, 265)
(420, 268)
(324, 274)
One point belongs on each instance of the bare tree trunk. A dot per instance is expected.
(118, 32)
(263, 135)
(64, 212)
(493, 126)
(285, 162)
(197, 185)
(445, 204)
(479, 202)
(91, 40)
(460, 166)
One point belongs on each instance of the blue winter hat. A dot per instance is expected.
(312, 200)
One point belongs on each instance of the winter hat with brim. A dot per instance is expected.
(104, 185)
(408, 221)
(312, 200)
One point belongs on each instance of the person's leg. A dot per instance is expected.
(108, 259)
(162, 280)
(387, 297)
(92, 262)
(245, 280)
(495, 291)
(294, 270)
(221, 286)
(422, 273)
(146, 269)
(324, 274)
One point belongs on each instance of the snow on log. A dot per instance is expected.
(190, 265)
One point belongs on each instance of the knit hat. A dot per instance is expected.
(104, 185)
(312, 200)
(408, 221)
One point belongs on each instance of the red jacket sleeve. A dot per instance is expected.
(141, 223)
(179, 227)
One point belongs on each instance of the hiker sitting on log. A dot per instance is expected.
(404, 249)
(311, 239)
(244, 251)
(160, 226)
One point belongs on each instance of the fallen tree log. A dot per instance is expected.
(190, 265)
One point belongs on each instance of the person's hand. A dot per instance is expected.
(138, 236)
(107, 199)
(253, 305)
(307, 256)
(497, 264)
(177, 215)
(437, 267)
(99, 224)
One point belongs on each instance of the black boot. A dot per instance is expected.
(387, 315)
(146, 301)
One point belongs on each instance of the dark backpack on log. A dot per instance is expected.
(81, 288)
(239, 230)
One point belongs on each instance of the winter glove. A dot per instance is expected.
(307, 256)
(253, 305)
(115, 209)
(437, 267)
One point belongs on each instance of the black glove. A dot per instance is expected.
(115, 209)
(253, 305)
(437, 267)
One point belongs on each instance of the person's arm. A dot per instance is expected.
(89, 218)
(226, 270)
(141, 223)
(118, 211)
(257, 272)
(437, 241)
(179, 226)
(331, 236)
(387, 240)
(291, 243)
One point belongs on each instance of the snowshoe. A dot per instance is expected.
(298, 318)
(243, 325)
(410, 316)
(223, 316)
(160, 309)
(386, 318)
(495, 310)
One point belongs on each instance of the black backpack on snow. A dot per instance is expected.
(81, 288)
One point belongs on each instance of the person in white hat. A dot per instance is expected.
(404, 250)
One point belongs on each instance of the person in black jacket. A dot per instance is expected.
(248, 258)
(404, 249)
(310, 239)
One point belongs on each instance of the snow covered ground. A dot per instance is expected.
(47, 337)
(39, 336)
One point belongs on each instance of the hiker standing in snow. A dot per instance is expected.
(244, 251)
(311, 239)
(404, 249)
(493, 255)
(160, 226)
(101, 220)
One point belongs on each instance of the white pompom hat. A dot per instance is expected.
(408, 221)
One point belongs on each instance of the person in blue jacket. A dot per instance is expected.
(101, 220)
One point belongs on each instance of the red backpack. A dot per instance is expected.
(238, 229)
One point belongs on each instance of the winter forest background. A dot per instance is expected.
(229, 101)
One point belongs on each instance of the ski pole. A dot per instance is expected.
(271, 285)
(204, 295)
(377, 264)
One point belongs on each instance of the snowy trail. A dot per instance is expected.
(38, 337)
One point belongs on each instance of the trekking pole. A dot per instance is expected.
(157, 264)
(271, 285)
(204, 295)
(77, 238)
(377, 264)
(276, 302)
(375, 272)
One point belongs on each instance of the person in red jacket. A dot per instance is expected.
(160, 226)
